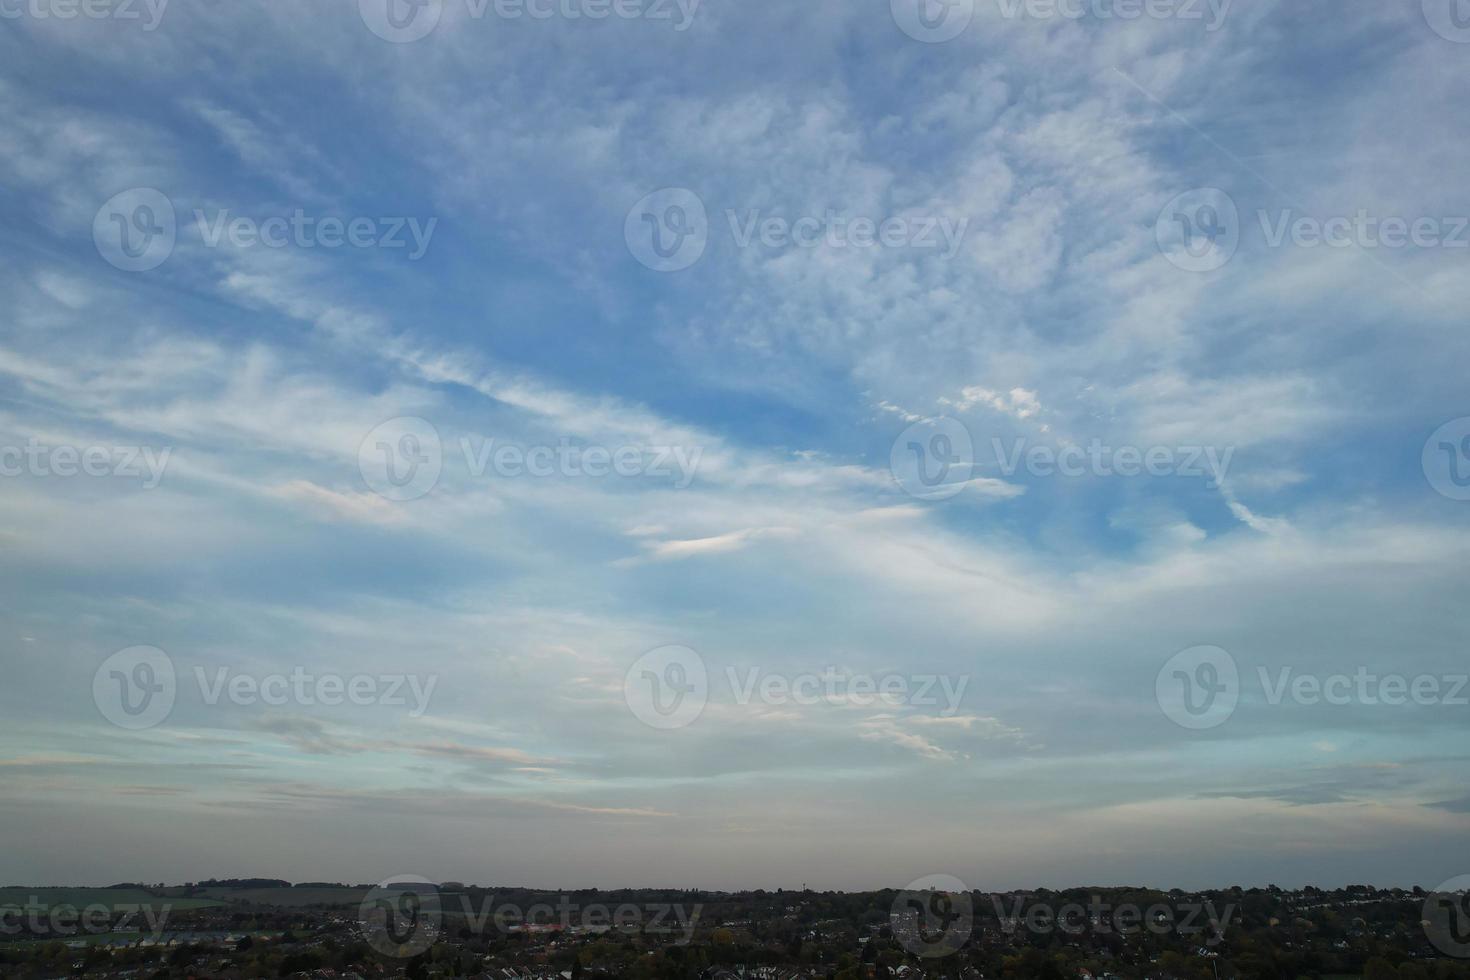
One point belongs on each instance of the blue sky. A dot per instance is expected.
(1065, 314)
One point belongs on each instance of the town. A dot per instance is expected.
(248, 928)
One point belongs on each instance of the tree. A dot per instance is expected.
(1379, 968)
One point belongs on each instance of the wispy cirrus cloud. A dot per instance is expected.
(788, 373)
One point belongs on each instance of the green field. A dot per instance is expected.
(131, 938)
(90, 938)
(285, 897)
(173, 897)
(82, 897)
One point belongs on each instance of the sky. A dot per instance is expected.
(512, 442)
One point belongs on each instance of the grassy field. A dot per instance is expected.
(287, 897)
(82, 897)
(130, 938)
(90, 938)
(172, 897)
